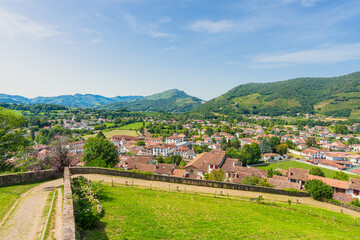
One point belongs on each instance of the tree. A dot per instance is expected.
(99, 147)
(12, 138)
(250, 154)
(265, 146)
(140, 143)
(218, 175)
(290, 144)
(206, 176)
(341, 129)
(310, 142)
(318, 190)
(272, 172)
(256, 181)
(274, 141)
(341, 176)
(282, 149)
(317, 172)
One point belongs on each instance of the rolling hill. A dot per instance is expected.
(76, 100)
(335, 96)
(172, 100)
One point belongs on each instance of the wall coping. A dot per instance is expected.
(68, 230)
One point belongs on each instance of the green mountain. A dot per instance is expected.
(335, 96)
(172, 100)
(76, 100)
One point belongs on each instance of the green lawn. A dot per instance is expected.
(8, 195)
(132, 126)
(285, 165)
(133, 213)
(109, 134)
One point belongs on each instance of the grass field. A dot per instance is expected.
(109, 134)
(8, 195)
(132, 126)
(133, 213)
(285, 165)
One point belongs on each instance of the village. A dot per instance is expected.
(202, 146)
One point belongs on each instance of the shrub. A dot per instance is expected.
(355, 202)
(291, 190)
(257, 181)
(87, 206)
(98, 162)
(318, 190)
(317, 172)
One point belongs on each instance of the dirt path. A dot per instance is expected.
(27, 220)
(208, 190)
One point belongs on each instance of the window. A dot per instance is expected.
(356, 192)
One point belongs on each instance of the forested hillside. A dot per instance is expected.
(171, 100)
(335, 96)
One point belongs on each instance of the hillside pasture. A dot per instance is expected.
(134, 213)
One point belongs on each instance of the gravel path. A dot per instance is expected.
(208, 190)
(27, 220)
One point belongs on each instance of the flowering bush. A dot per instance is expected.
(87, 206)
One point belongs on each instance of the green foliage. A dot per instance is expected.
(317, 172)
(287, 97)
(140, 143)
(310, 142)
(291, 190)
(11, 136)
(218, 175)
(272, 172)
(250, 154)
(98, 147)
(265, 146)
(341, 176)
(201, 149)
(274, 142)
(341, 129)
(46, 135)
(170, 101)
(87, 206)
(206, 176)
(355, 202)
(140, 172)
(257, 181)
(318, 190)
(97, 162)
(290, 144)
(282, 149)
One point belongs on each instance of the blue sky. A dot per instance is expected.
(141, 47)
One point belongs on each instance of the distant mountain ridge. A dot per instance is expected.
(172, 100)
(335, 96)
(76, 100)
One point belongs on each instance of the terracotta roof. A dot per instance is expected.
(354, 184)
(298, 174)
(206, 158)
(347, 198)
(284, 184)
(331, 182)
(164, 169)
(178, 172)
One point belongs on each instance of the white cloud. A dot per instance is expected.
(305, 3)
(12, 24)
(170, 48)
(212, 27)
(148, 29)
(223, 26)
(337, 53)
(96, 40)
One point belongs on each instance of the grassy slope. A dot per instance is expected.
(285, 165)
(133, 213)
(8, 195)
(124, 130)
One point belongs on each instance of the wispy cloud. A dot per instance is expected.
(305, 3)
(13, 24)
(223, 26)
(148, 29)
(336, 53)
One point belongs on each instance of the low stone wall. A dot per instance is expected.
(28, 177)
(68, 231)
(344, 205)
(204, 183)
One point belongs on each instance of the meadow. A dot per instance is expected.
(9, 194)
(285, 165)
(134, 213)
(129, 129)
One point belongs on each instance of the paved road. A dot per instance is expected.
(27, 220)
(209, 190)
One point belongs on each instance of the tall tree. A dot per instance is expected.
(99, 147)
(60, 155)
(274, 141)
(12, 137)
(310, 142)
(265, 146)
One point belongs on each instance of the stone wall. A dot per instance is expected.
(205, 183)
(344, 205)
(28, 177)
(68, 231)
